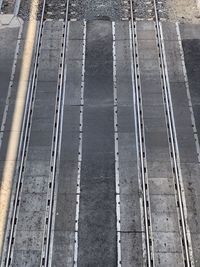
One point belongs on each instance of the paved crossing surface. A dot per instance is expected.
(80, 101)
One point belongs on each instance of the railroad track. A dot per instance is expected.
(144, 10)
(24, 141)
(140, 135)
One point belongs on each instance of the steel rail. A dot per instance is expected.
(24, 138)
(173, 137)
(141, 145)
(57, 139)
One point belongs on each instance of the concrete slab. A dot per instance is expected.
(131, 249)
(165, 222)
(169, 259)
(128, 177)
(97, 200)
(130, 213)
(29, 258)
(122, 30)
(63, 246)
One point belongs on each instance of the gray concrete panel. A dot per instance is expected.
(97, 200)
(190, 31)
(51, 44)
(158, 154)
(48, 75)
(69, 146)
(157, 139)
(167, 242)
(75, 30)
(39, 168)
(63, 246)
(26, 258)
(127, 151)
(35, 184)
(154, 113)
(44, 111)
(39, 153)
(98, 120)
(149, 66)
(182, 116)
(150, 85)
(42, 124)
(98, 84)
(94, 142)
(52, 30)
(28, 240)
(95, 221)
(131, 249)
(67, 177)
(145, 54)
(71, 119)
(128, 177)
(124, 83)
(145, 25)
(122, 30)
(130, 220)
(169, 31)
(158, 169)
(196, 247)
(75, 49)
(146, 34)
(163, 203)
(152, 99)
(169, 259)
(191, 173)
(102, 168)
(33, 201)
(165, 222)
(123, 49)
(49, 57)
(152, 125)
(149, 45)
(161, 185)
(40, 138)
(175, 73)
(179, 94)
(73, 82)
(31, 221)
(65, 212)
(126, 120)
(46, 86)
(46, 96)
(194, 92)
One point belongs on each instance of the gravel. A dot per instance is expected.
(183, 11)
(95, 9)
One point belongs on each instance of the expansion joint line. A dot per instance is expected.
(175, 159)
(117, 181)
(78, 192)
(141, 147)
